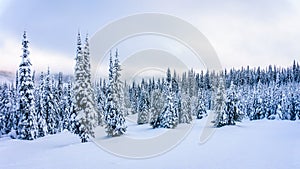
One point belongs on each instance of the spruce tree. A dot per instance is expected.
(114, 117)
(67, 106)
(48, 104)
(27, 126)
(200, 108)
(7, 109)
(169, 116)
(40, 107)
(157, 105)
(143, 114)
(231, 110)
(219, 104)
(83, 94)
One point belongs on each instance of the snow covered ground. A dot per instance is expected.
(259, 144)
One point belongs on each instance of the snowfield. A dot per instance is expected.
(262, 144)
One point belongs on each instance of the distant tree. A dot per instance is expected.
(67, 106)
(257, 107)
(169, 116)
(48, 104)
(219, 105)
(200, 108)
(40, 107)
(185, 115)
(6, 108)
(157, 105)
(231, 111)
(143, 113)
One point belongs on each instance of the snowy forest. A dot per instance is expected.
(36, 106)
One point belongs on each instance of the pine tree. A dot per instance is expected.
(169, 116)
(200, 108)
(67, 106)
(6, 108)
(27, 126)
(231, 110)
(219, 105)
(100, 102)
(114, 117)
(48, 104)
(157, 105)
(257, 108)
(185, 114)
(58, 96)
(143, 114)
(83, 92)
(134, 98)
(41, 113)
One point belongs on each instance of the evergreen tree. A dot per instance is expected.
(157, 105)
(169, 116)
(219, 105)
(114, 117)
(257, 108)
(143, 114)
(100, 102)
(6, 108)
(83, 93)
(201, 110)
(185, 115)
(67, 106)
(27, 126)
(231, 110)
(40, 108)
(58, 96)
(48, 104)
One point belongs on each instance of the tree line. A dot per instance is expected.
(33, 107)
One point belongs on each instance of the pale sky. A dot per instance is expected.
(242, 32)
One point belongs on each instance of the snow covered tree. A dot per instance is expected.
(143, 113)
(118, 93)
(219, 104)
(169, 116)
(67, 106)
(185, 115)
(257, 108)
(83, 94)
(6, 108)
(58, 96)
(157, 105)
(48, 105)
(100, 102)
(27, 126)
(41, 113)
(231, 111)
(200, 108)
(114, 117)
(133, 95)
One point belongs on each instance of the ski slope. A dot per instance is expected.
(259, 144)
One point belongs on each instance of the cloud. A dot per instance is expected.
(11, 50)
(263, 37)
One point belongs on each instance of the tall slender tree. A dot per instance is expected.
(114, 117)
(83, 92)
(27, 126)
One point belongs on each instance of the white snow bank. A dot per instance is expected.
(252, 144)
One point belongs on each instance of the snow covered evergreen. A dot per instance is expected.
(143, 105)
(169, 116)
(27, 125)
(84, 106)
(114, 117)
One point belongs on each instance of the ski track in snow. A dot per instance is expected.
(261, 144)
